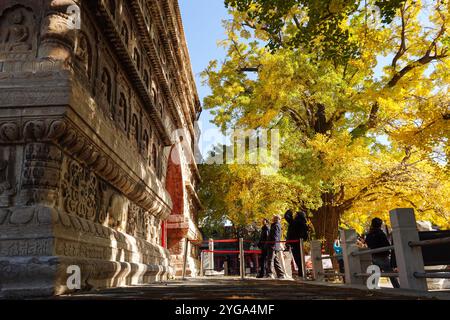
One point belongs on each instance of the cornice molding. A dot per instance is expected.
(65, 134)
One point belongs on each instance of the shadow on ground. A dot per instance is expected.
(233, 288)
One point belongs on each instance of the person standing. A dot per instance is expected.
(297, 229)
(274, 249)
(376, 238)
(262, 244)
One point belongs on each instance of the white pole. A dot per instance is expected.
(186, 247)
(302, 259)
(201, 264)
(242, 257)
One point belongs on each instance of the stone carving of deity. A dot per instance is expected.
(18, 33)
(105, 86)
(121, 116)
(4, 183)
(144, 145)
(135, 129)
(82, 53)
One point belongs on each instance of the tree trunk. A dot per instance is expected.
(325, 221)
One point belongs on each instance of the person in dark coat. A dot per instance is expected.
(376, 238)
(273, 250)
(262, 244)
(297, 229)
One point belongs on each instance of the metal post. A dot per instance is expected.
(302, 259)
(409, 259)
(352, 264)
(242, 257)
(316, 259)
(225, 268)
(186, 247)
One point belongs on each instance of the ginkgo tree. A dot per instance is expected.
(363, 110)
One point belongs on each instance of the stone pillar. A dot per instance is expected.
(409, 259)
(287, 259)
(352, 264)
(317, 265)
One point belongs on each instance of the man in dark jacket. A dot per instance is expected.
(274, 248)
(297, 229)
(262, 244)
(376, 238)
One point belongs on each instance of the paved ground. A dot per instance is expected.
(232, 288)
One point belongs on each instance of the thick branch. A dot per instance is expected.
(321, 125)
(249, 69)
(362, 129)
(430, 55)
(296, 117)
(427, 58)
(401, 51)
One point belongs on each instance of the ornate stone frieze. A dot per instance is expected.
(80, 192)
(69, 138)
(41, 170)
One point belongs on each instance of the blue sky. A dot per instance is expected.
(202, 20)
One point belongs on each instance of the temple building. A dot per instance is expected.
(98, 111)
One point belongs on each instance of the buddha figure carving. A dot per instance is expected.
(17, 37)
(122, 112)
(4, 183)
(105, 86)
(135, 130)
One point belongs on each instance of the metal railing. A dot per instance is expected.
(240, 251)
(408, 250)
(372, 251)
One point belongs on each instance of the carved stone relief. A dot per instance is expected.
(134, 130)
(117, 212)
(17, 32)
(80, 191)
(7, 176)
(122, 112)
(41, 172)
(83, 54)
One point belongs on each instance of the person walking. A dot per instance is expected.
(297, 229)
(262, 245)
(376, 238)
(274, 249)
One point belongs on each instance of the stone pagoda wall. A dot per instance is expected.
(87, 116)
